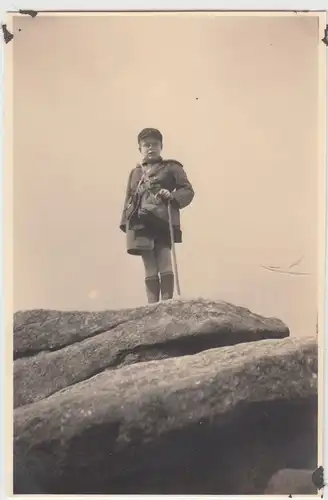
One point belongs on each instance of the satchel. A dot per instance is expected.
(152, 209)
(146, 205)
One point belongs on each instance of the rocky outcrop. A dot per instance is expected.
(54, 350)
(295, 481)
(221, 421)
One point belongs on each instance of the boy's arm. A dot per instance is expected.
(126, 201)
(184, 192)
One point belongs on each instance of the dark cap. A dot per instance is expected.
(150, 132)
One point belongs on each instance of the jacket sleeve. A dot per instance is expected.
(183, 193)
(126, 200)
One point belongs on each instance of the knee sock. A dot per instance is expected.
(152, 289)
(167, 285)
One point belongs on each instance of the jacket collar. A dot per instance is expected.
(144, 163)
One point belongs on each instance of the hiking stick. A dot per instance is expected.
(175, 266)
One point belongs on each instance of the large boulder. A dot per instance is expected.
(55, 349)
(295, 481)
(222, 421)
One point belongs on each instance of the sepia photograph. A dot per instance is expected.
(168, 179)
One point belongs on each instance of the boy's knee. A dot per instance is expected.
(150, 264)
(166, 269)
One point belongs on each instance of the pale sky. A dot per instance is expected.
(236, 99)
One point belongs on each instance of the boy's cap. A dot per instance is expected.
(150, 132)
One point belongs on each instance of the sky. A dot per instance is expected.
(236, 99)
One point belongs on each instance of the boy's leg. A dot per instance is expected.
(151, 276)
(164, 260)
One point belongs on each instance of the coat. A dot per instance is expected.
(166, 174)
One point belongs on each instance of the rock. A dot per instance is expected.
(291, 482)
(42, 330)
(24, 480)
(222, 421)
(58, 349)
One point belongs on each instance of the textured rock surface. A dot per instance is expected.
(219, 422)
(58, 349)
(41, 330)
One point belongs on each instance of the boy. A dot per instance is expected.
(153, 184)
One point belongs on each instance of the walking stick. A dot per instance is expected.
(175, 266)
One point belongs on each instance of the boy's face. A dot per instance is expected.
(150, 148)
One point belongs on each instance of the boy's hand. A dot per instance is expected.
(165, 194)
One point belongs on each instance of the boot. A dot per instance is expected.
(152, 289)
(167, 285)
